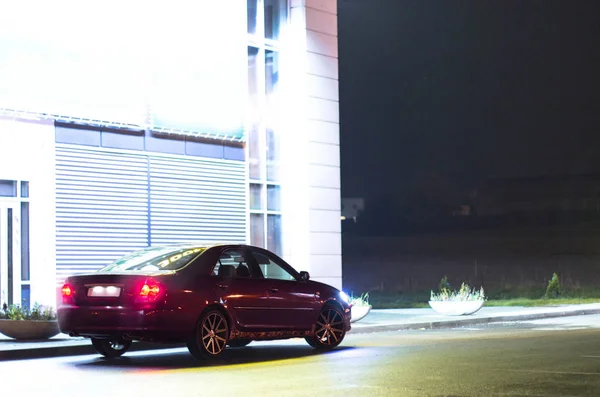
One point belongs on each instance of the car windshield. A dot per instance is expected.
(157, 258)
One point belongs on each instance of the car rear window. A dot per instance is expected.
(153, 259)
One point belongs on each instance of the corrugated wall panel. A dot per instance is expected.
(101, 207)
(103, 212)
(197, 200)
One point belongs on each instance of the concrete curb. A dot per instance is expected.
(84, 347)
(472, 321)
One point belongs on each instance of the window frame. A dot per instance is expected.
(258, 41)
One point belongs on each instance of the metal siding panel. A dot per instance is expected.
(201, 200)
(102, 204)
(101, 207)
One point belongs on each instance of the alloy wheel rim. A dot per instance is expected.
(330, 327)
(214, 333)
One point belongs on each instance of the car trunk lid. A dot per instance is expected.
(113, 289)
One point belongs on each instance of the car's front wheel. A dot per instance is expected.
(111, 348)
(210, 335)
(329, 329)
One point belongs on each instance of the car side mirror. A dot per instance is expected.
(304, 276)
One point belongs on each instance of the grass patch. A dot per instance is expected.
(523, 296)
(540, 302)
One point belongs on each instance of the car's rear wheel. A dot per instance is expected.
(329, 329)
(111, 348)
(239, 342)
(210, 335)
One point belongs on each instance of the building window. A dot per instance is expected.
(275, 15)
(254, 105)
(252, 16)
(265, 21)
(8, 188)
(14, 243)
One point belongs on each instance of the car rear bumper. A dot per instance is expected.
(130, 323)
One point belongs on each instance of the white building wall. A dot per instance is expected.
(27, 153)
(310, 142)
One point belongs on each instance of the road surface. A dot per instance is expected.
(555, 357)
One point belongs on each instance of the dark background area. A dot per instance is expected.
(472, 130)
(461, 91)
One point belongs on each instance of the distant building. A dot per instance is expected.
(352, 207)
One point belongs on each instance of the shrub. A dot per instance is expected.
(554, 289)
(465, 293)
(17, 312)
(444, 284)
(362, 300)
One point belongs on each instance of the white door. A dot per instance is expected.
(10, 253)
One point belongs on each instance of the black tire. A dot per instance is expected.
(239, 342)
(210, 335)
(111, 348)
(329, 329)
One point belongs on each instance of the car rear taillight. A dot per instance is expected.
(68, 293)
(149, 292)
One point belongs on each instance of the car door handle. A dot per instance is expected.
(222, 286)
(273, 289)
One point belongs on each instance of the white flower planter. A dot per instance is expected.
(29, 329)
(359, 312)
(456, 308)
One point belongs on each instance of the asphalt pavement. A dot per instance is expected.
(376, 321)
(551, 357)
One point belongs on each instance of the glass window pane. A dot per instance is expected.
(9, 251)
(26, 297)
(253, 83)
(274, 234)
(252, 8)
(8, 188)
(25, 189)
(275, 17)
(257, 230)
(272, 155)
(256, 196)
(271, 269)
(155, 259)
(232, 263)
(24, 241)
(271, 73)
(271, 83)
(254, 152)
(273, 198)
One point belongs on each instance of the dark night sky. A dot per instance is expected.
(467, 89)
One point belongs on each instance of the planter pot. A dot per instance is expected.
(456, 308)
(359, 312)
(29, 329)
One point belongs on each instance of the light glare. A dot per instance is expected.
(344, 297)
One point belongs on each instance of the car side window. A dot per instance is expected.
(233, 263)
(270, 268)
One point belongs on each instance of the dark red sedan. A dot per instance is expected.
(205, 296)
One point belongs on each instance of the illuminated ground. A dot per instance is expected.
(555, 357)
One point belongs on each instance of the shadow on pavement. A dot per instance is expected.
(181, 358)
